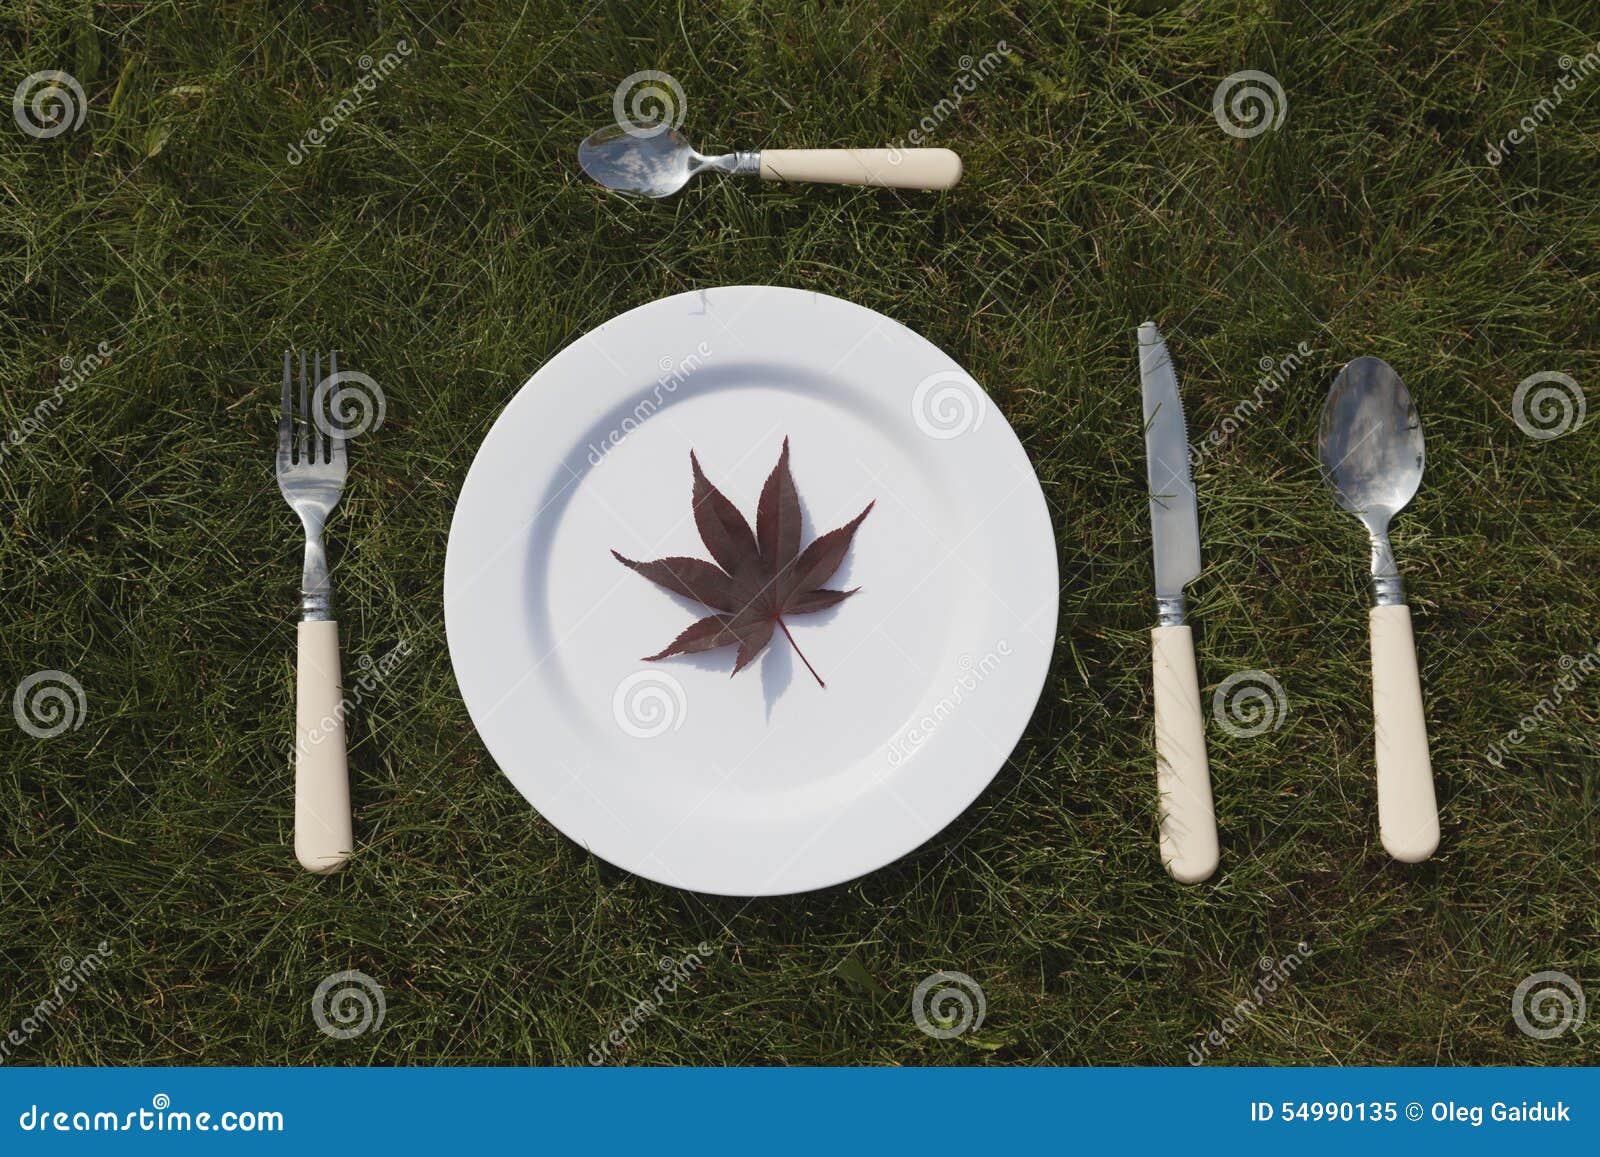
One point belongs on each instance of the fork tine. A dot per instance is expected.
(335, 415)
(286, 413)
(305, 411)
(314, 416)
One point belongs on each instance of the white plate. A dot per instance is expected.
(763, 784)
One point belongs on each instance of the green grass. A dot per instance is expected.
(446, 240)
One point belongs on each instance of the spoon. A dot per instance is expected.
(1370, 444)
(658, 162)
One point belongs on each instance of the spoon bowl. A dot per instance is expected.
(1370, 442)
(647, 165)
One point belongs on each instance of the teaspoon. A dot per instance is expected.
(658, 162)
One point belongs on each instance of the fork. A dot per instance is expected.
(311, 473)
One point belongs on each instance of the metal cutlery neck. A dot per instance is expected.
(316, 590)
(740, 163)
(1387, 589)
(1171, 610)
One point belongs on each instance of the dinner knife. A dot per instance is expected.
(1183, 778)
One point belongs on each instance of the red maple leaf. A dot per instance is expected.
(758, 577)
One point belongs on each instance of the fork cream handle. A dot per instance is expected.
(1408, 814)
(322, 836)
(891, 168)
(1183, 777)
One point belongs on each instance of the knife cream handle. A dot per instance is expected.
(891, 168)
(1408, 814)
(322, 836)
(1188, 820)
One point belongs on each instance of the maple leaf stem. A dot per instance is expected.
(802, 655)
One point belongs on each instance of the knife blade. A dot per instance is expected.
(1174, 515)
(1189, 845)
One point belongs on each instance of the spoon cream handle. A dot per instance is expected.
(1408, 815)
(1183, 777)
(891, 168)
